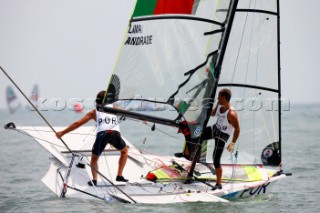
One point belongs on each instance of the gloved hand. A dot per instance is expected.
(230, 147)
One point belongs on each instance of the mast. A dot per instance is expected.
(218, 64)
(279, 78)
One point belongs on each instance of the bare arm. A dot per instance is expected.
(90, 115)
(233, 120)
(214, 111)
(118, 107)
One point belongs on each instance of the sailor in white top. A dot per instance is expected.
(227, 124)
(222, 123)
(106, 121)
(107, 132)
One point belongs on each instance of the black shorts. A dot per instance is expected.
(211, 132)
(220, 138)
(105, 137)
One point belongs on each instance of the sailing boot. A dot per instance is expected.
(122, 179)
(179, 154)
(217, 186)
(93, 182)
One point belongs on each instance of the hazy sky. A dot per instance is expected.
(69, 47)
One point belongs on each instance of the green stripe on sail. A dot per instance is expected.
(144, 8)
(183, 106)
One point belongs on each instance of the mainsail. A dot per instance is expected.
(168, 57)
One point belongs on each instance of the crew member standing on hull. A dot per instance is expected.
(226, 125)
(107, 133)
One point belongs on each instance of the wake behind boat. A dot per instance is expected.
(176, 54)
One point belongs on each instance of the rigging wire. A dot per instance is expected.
(39, 131)
(232, 80)
(86, 177)
(22, 132)
(108, 169)
(41, 139)
(155, 161)
(34, 107)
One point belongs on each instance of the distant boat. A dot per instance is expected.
(12, 100)
(34, 97)
(78, 107)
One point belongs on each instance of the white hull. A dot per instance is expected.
(138, 189)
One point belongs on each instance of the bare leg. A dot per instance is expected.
(94, 166)
(219, 175)
(122, 160)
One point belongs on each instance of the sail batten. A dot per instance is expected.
(163, 17)
(248, 86)
(257, 11)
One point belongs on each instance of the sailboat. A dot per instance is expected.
(12, 100)
(179, 53)
(34, 96)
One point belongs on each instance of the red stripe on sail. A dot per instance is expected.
(174, 6)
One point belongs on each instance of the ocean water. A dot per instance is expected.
(24, 162)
